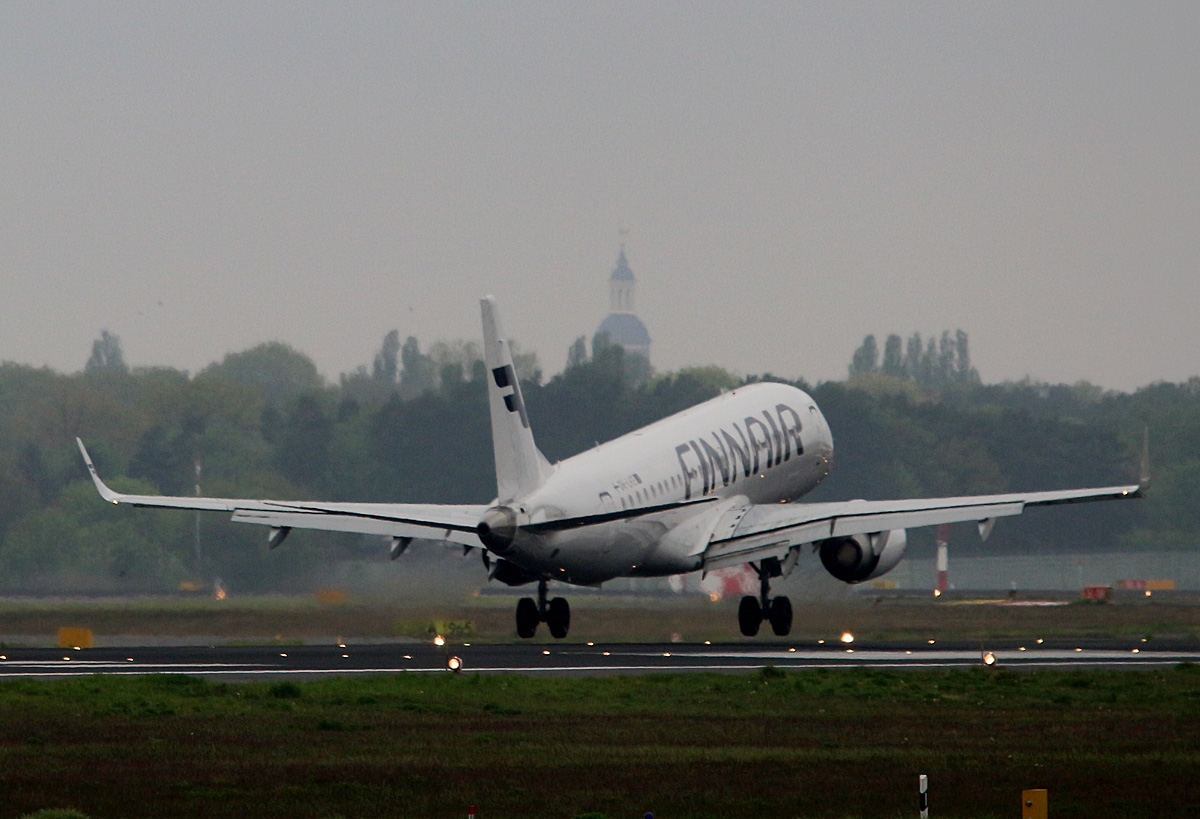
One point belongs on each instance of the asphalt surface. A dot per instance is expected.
(573, 659)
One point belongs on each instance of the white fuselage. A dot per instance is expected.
(761, 443)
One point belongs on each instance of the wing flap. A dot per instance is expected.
(333, 522)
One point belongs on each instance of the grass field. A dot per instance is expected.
(846, 743)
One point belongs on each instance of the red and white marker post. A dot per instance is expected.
(943, 541)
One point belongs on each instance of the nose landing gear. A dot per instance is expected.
(777, 610)
(556, 614)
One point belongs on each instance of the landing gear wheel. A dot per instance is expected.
(781, 616)
(750, 615)
(558, 617)
(527, 617)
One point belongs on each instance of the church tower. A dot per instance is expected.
(621, 325)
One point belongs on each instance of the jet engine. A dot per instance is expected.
(498, 529)
(510, 574)
(861, 557)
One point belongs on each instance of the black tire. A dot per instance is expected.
(781, 616)
(750, 615)
(527, 617)
(558, 617)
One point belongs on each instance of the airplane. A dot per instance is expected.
(712, 486)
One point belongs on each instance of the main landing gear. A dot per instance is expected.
(556, 614)
(753, 610)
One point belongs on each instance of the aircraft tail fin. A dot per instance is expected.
(520, 468)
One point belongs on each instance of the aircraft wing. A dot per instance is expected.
(454, 523)
(760, 531)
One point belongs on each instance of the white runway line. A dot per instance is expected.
(872, 656)
(635, 663)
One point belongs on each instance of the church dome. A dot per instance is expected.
(627, 330)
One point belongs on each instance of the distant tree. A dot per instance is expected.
(927, 375)
(106, 354)
(164, 460)
(866, 357)
(77, 543)
(695, 383)
(306, 431)
(893, 357)
(275, 369)
(418, 375)
(577, 353)
(526, 364)
(601, 342)
(912, 356)
(386, 369)
(964, 373)
(637, 369)
(634, 368)
(455, 359)
(451, 376)
(933, 363)
(946, 356)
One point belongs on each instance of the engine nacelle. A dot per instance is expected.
(861, 557)
(498, 529)
(510, 574)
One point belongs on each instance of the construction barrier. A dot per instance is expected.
(1146, 585)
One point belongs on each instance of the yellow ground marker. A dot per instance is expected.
(75, 637)
(1034, 804)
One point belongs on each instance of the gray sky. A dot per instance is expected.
(202, 177)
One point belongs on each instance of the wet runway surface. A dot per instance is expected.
(575, 659)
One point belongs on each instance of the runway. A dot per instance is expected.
(570, 659)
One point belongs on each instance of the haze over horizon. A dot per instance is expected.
(200, 178)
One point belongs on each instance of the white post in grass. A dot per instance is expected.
(924, 783)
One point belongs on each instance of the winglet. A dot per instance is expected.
(101, 487)
(520, 468)
(1144, 465)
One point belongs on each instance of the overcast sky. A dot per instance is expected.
(201, 177)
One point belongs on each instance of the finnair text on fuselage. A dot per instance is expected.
(777, 436)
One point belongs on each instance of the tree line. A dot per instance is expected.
(933, 363)
(413, 426)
